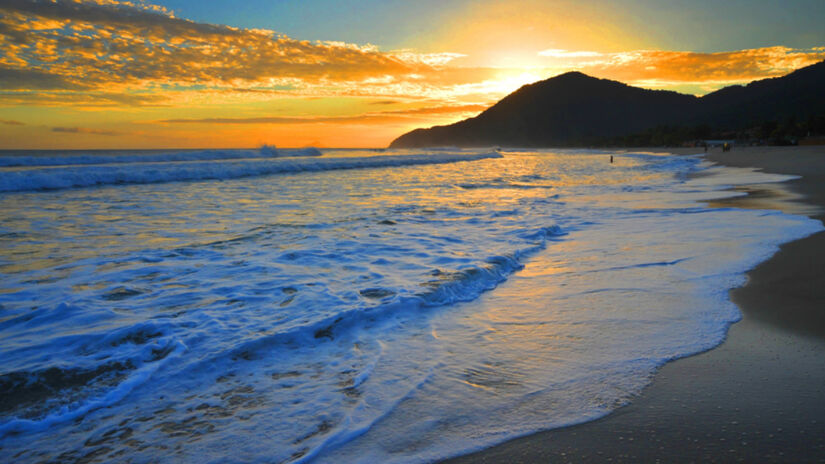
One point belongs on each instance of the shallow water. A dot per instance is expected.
(360, 306)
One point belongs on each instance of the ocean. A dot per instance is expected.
(352, 305)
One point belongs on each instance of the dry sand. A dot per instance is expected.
(758, 397)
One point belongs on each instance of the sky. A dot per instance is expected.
(81, 74)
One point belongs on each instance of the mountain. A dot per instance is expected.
(576, 109)
(800, 95)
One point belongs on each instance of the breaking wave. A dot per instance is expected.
(64, 177)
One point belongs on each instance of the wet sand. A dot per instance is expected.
(760, 395)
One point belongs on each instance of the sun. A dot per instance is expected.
(510, 80)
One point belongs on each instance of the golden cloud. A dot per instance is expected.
(86, 130)
(104, 53)
(378, 116)
(83, 44)
(660, 68)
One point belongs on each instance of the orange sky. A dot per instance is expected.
(111, 74)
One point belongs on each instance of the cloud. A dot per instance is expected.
(664, 68)
(85, 130)
(101, 99)
(111, 53)
(271, 120)
(73, 43)
(429, 59)
(11, 78)
(440, 110)
(381, 116)
(10, 122)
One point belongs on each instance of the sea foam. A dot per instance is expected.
(133, 172)
(427, 305)
(115, 157)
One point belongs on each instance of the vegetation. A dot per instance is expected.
(773, 132)
(578, 110)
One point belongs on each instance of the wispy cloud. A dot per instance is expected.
(430, 110)
(86, 130)
(271, 120)
(378, 116)
(99, 99)
(664, 68)
(10, 122)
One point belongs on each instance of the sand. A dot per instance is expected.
(757, 397)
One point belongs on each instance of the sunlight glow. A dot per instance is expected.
(115, 74)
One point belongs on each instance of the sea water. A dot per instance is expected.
(351, 305)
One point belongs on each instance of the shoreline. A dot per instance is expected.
(760, 394)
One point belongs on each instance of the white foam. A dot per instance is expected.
(265, 151)
(348, 317)
(71, 412)
(54, 178)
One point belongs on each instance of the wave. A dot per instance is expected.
(36, 400)
(265, 151)
(272, 152)
(55, 178)
(308, 151)
(442, 289)
(61, 393)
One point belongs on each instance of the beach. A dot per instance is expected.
(300, 232)
(397, 307)
(760, 395)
